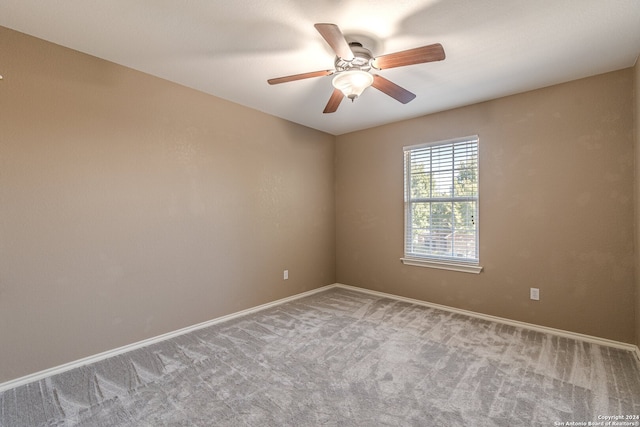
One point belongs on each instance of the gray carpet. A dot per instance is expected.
(341, 358)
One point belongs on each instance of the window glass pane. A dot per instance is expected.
(420, 183)
(441, 218)
(465, 215)
(466, 179)
(442, 180)
(464, 242)
(420, 215)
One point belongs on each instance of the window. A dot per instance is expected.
(441, 205)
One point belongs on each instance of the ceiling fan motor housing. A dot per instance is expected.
(362, 60)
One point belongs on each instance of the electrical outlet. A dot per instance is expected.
(285, 275)
(534, 294)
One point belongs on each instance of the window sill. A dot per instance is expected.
(443, 265)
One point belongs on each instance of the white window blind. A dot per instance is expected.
(441, 201)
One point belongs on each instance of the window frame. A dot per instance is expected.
(467, 265)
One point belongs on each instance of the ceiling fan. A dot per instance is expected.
(353, 65)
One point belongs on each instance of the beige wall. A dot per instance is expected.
(556, 209)
(131, 206)
(636, 70)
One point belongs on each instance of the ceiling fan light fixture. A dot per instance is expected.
(352, 83)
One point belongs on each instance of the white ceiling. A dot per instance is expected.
(229, 48)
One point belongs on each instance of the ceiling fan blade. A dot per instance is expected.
(332, 34)
(334, 101)
(419, 55)
(295, 77)
(393, 90)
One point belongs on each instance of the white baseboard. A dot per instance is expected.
(110, 353)
(530, 326)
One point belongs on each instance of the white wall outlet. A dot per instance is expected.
(285, 275)
(534, 294)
